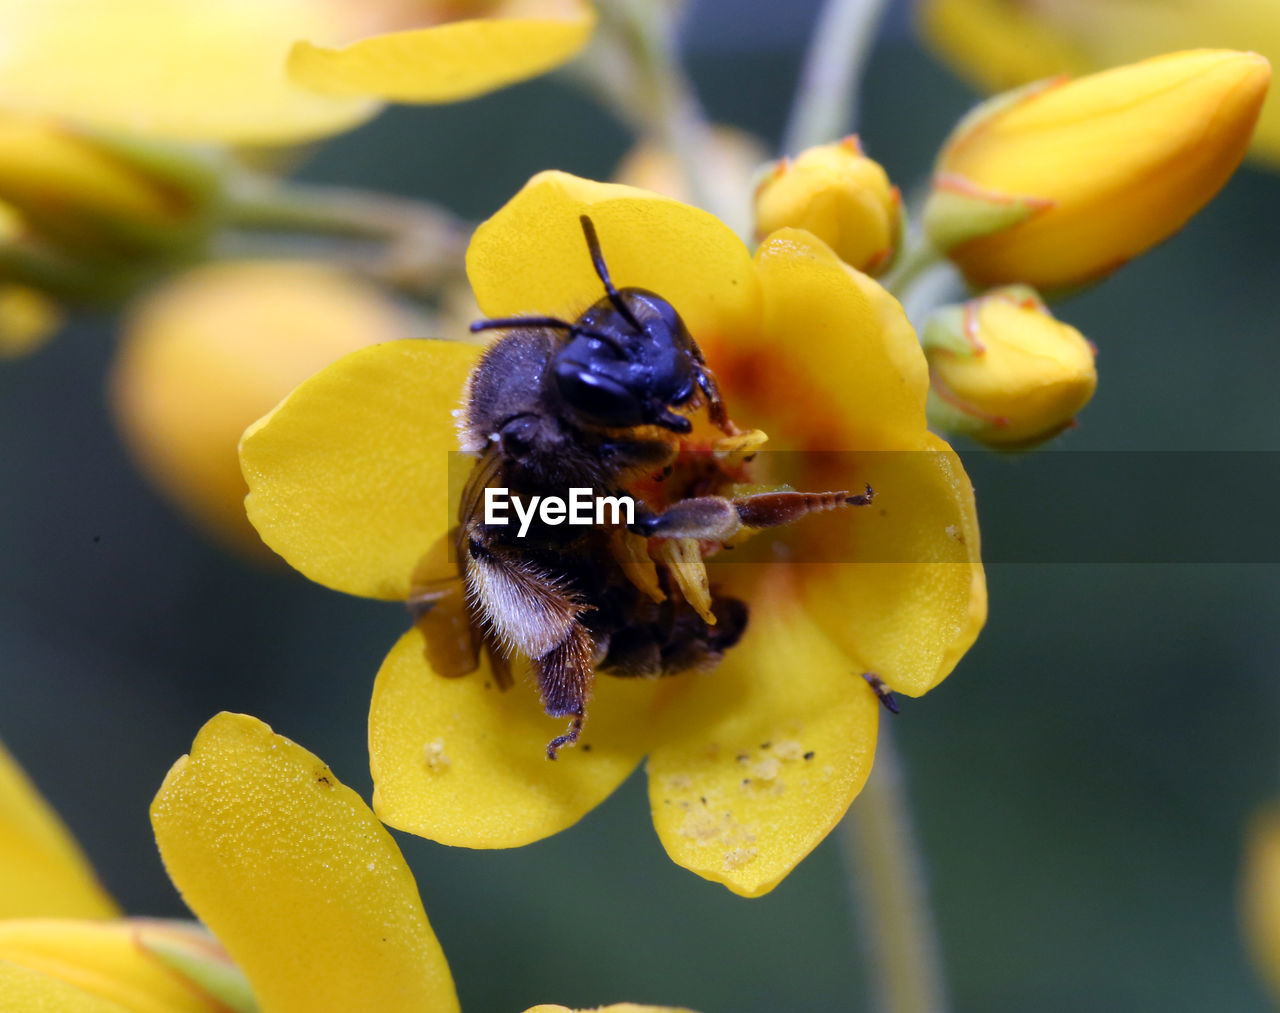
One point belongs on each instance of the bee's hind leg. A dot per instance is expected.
(564, 678)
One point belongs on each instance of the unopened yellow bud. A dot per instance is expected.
(208, 354)
(1005, 372)
(841, 196)
(1260, 895)
(92, 195)
(1059, 184)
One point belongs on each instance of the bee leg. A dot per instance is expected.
(715, 403)
(770, 509)
(706, 518)
(564, 677)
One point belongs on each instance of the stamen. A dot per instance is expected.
(683, 558)
(632, 554)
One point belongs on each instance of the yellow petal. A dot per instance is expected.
(43, 872)
(836, 365)
(998, 44)
(464, 763)
(217, 348)
(103, 959)
(449, 62)
(184, 69)
(905, 593)
(26, 991)
(531, 256)
(349, 476)
(300, 883)
(760, 758)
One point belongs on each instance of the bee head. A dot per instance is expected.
(629, 359)
(630, 364)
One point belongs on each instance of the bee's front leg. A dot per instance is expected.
(717, 518)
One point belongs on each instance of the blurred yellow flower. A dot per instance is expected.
(28, 318)
(840, 195)
(1260, 895)
(206, 354)
(349, 481)
(1005, 372)
(1000, 44)
(287, 865)
(731, 161)
(1059, 184)
(269, 71)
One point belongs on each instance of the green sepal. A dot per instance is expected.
(201, 963)
(958, 211)
(945, 330)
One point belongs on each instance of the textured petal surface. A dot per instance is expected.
(23, 990)
(836, 365)
(449, 62)
(43, 873)
(531, 256)
(186, 69)
(760, 758)
(103, 959)
(296, 878)
(464, 763)
(905, 593)
(349, 476)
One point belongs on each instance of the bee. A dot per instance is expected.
(602, 402)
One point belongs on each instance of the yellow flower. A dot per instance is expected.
(269, 71)
(841, 196)
(1061, 183)
(732, 160)
(1005, 372)
(1000, 44)
(349, 481)
(1260, 895)
(295, 876)
(211, 351)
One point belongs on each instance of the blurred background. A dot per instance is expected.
(1081, 783)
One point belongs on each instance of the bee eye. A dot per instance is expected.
(600, 398)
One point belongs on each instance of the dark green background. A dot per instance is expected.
(1081, 783)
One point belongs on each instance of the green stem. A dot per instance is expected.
(421, 246)
(886, 871)
(634, 67)
(826, 101)
(918, 256)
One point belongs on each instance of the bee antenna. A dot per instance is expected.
(499, 323)
(602, 271)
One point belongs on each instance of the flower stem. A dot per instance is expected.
(420, 246)
(918, 256)
(886, 873)
(826, 102)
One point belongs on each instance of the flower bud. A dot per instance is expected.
(1060, 183)
(92, 195)
(1005, 372)
(841, 196)
(211, 352)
